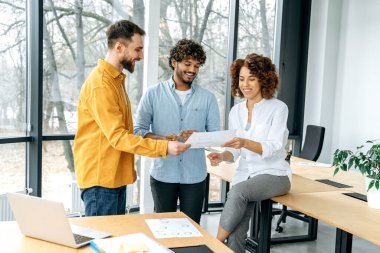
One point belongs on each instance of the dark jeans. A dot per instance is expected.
(100, 201)
(166, 195)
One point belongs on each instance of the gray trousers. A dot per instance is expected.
(239, 206)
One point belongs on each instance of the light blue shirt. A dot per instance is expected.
(160, 112)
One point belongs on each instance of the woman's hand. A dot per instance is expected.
(215, 158)
(236, 143)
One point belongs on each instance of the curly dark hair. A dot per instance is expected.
(260, 67)
(185, 49)
(123, 29)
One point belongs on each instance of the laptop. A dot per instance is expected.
(46, 220)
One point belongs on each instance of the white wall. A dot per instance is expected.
(343, 81)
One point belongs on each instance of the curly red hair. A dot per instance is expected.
(260, 67)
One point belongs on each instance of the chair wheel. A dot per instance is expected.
(279, 229)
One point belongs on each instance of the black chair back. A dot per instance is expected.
(312, 146)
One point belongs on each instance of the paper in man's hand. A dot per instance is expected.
(210, 139)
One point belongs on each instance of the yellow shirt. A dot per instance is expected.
(104, 144)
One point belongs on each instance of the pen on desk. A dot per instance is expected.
(96, 248)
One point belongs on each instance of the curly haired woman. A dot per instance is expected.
(260, 123)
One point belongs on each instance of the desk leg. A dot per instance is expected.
(255, 219)
(343, 241)
(205, 202)
(265, 226)
(225, 190)
(313, 229)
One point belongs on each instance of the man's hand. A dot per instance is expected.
(236, 143)
(215, 158)
(171, 137)
(176, 148)
(185, 134)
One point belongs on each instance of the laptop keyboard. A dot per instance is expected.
(81, 239)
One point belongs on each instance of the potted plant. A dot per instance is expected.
(366, 158)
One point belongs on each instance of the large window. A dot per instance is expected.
(12, 167)
(205, 21)
(13, 94)
(12, 69)
(74, 39)
(72, 36)
(57, 179)
(256, 27)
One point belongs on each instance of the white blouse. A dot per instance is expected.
(268, 126)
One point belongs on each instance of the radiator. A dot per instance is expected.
(77, 205)
(6, 213)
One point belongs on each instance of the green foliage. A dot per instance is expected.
(368, 162)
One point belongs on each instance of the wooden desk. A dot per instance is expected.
(12, 241)
(310, 172)
(351, 177)
(225, 171)
(338, 210)
(300, 184)
(349, 215)
(320, 201)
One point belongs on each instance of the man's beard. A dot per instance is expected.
(128, 65)
(187, 82)
(181, 75)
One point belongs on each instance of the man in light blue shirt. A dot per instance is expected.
(173, 108)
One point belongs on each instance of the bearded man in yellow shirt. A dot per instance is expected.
(104, 144)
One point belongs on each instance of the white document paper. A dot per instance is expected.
(172, 227)
(210, 139)
(129, 243)
(312, 164)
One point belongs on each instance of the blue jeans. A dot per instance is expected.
(100, 201)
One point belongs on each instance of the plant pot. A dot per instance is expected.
(373, 195)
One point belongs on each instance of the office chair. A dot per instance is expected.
(311, 150)
(313, 142)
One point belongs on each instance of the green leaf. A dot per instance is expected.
(371, 185)
(366, 159)
(377, 184)
(351, 161)
(357, 162)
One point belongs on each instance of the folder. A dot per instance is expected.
(193, 249)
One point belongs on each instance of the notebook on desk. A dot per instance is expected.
(333, 183)
(44, 219)
(192, 249)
